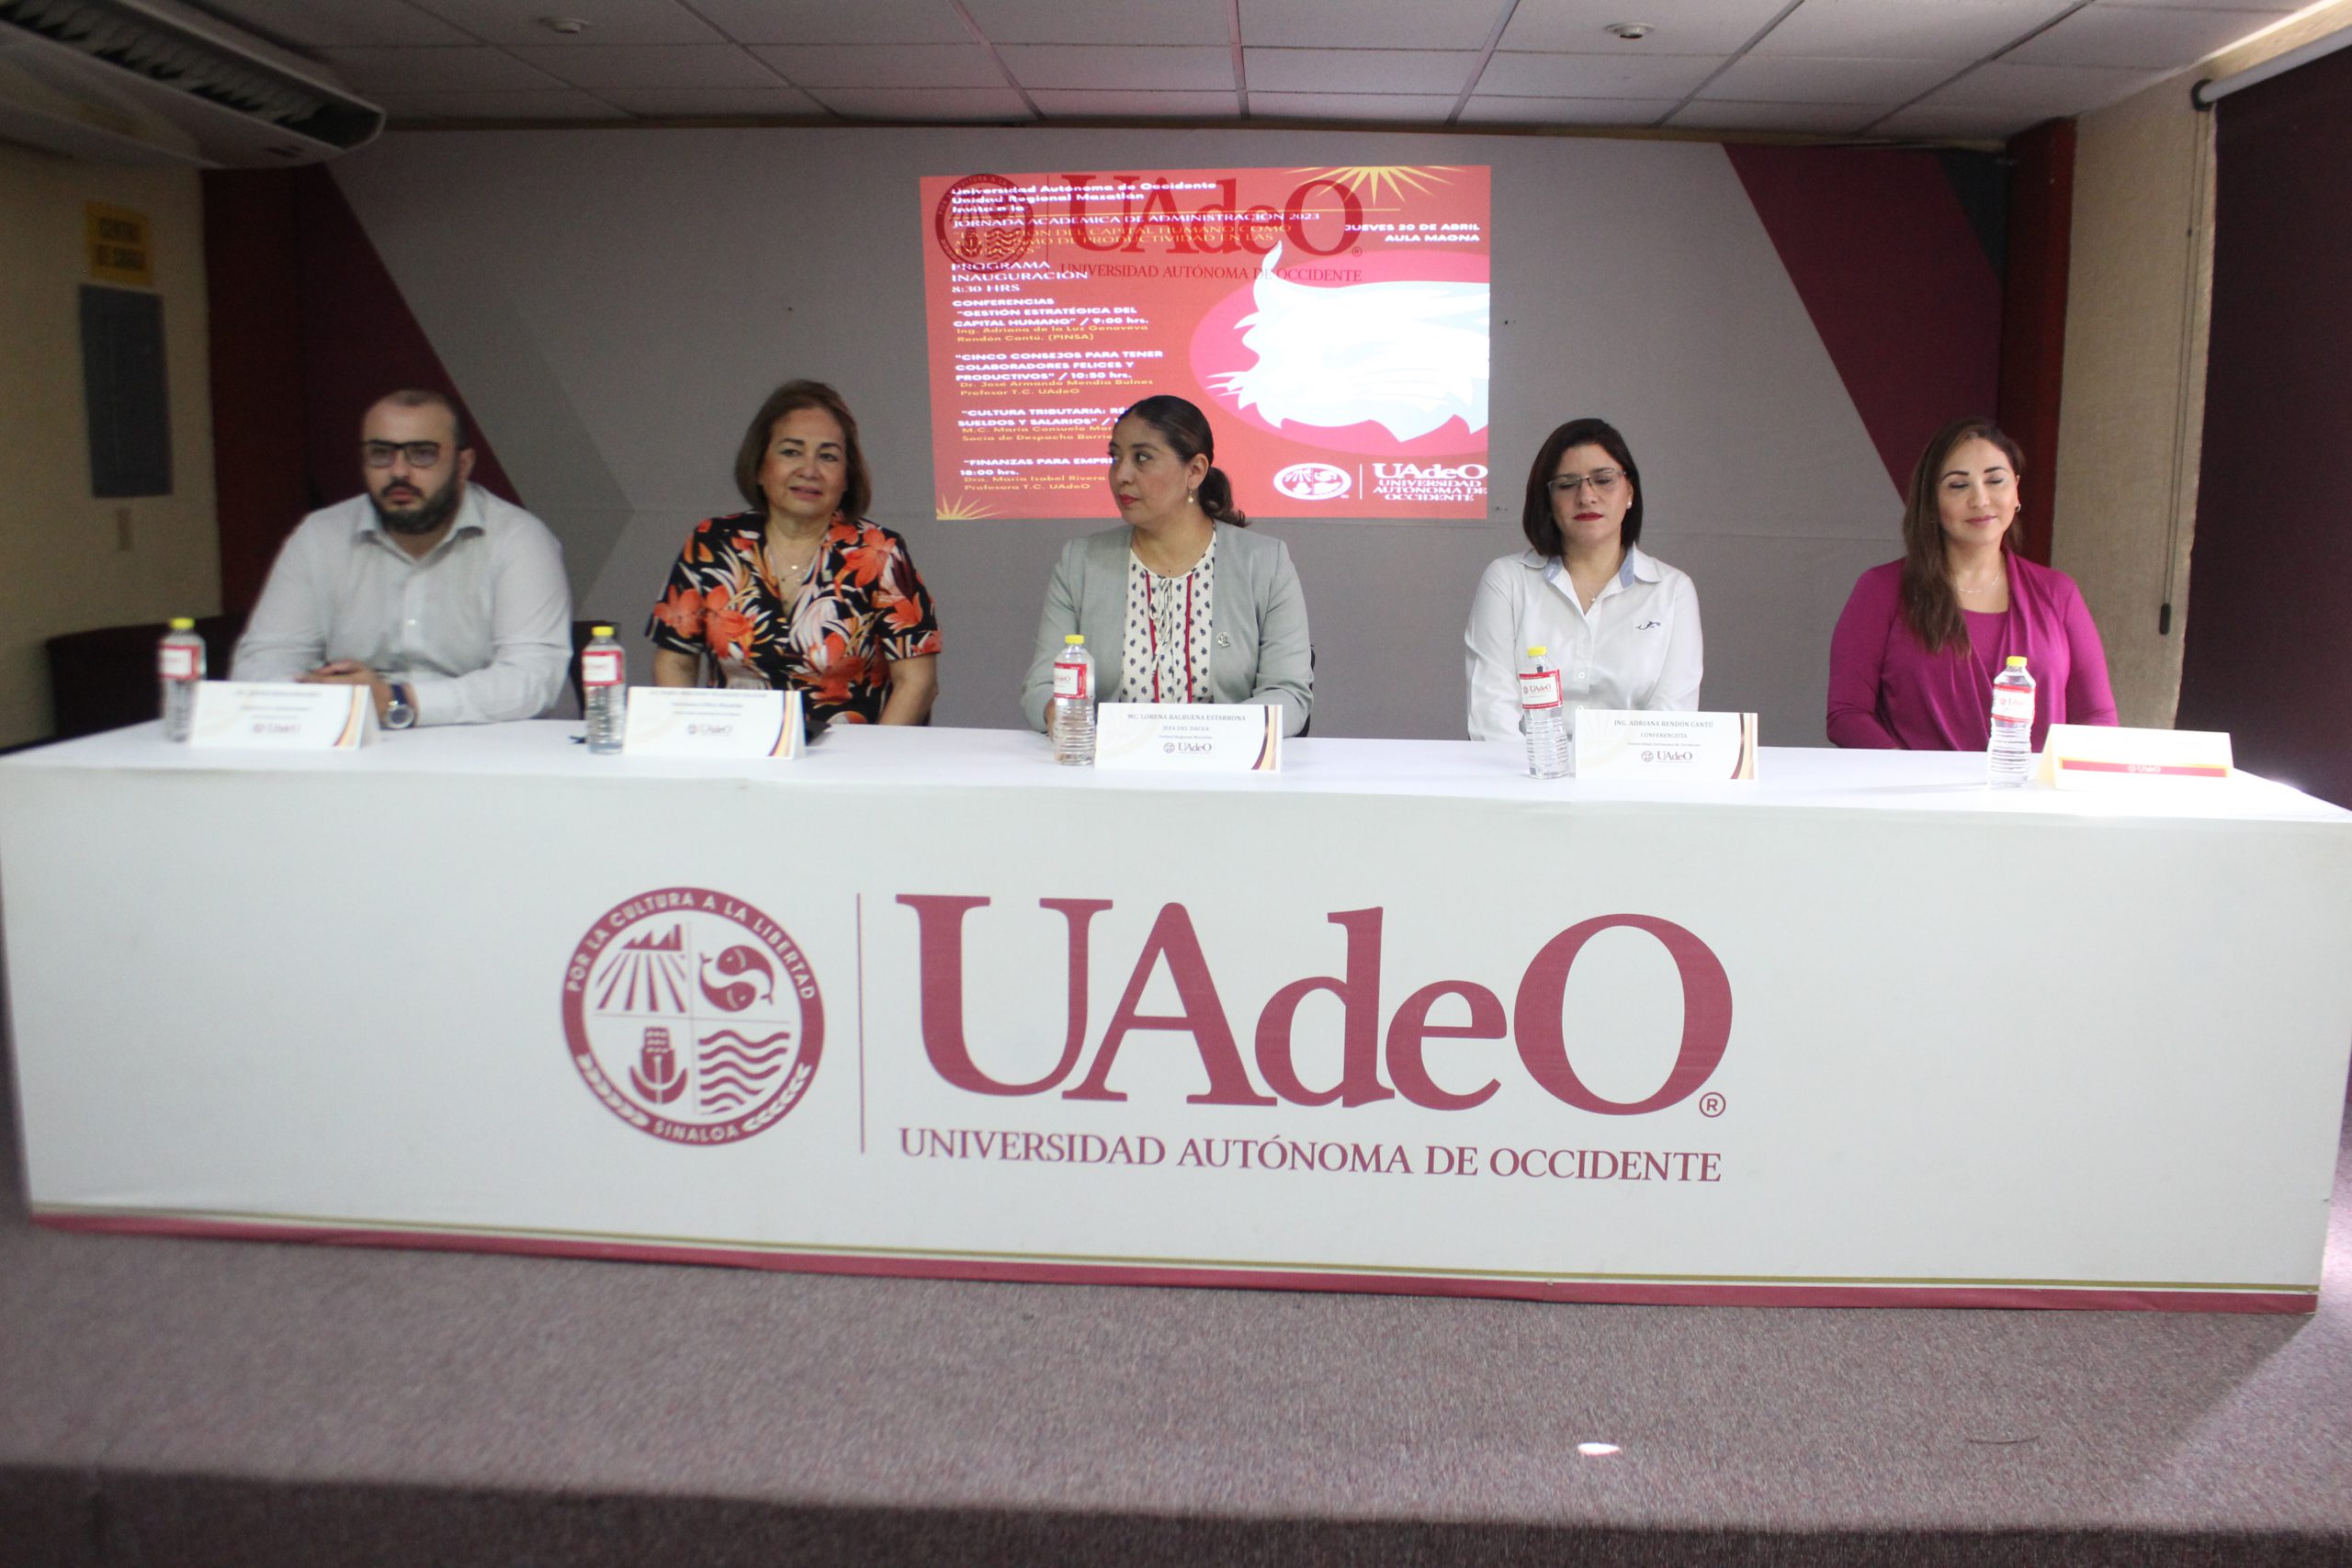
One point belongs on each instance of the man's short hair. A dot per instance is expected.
(426, 398)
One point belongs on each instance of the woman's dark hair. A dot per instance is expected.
(857, 494)
(1187, 433)
(1535, 519)
(1930, 608)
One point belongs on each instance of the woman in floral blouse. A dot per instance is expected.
(801, 592)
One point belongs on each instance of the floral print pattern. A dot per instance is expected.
(862, 607)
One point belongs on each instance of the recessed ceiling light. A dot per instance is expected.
(1596, 1451)
(570, 26)
(1632, 32)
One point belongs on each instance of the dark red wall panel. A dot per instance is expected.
(253, 269)
(1896, 278)
(308, 330)
(2033, 315)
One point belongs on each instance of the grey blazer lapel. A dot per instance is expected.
(1106, 606)
(1233, 619)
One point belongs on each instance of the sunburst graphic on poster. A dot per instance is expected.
(1384, 181)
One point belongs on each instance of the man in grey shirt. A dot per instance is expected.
(449, 602)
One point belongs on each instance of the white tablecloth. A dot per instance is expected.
(1396, 1018)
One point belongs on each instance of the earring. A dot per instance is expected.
(1191, 497)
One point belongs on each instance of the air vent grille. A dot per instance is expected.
(187, 62)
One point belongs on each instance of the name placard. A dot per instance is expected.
(1618, 743)
(1189, 738)
(2099, 756)
(282, 715)
(672, 721)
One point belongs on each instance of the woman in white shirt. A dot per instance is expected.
(1621, 626)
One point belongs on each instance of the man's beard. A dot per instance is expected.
(427, 516)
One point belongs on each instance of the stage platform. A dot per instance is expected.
(167, 1402)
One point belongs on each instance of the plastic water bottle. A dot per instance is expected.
(1071, 719)
(2009, 757)
(1542, 718)
(179, 665)
(604, 683)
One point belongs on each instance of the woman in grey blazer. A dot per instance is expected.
(1179, 604)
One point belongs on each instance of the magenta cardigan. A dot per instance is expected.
(1887, 691)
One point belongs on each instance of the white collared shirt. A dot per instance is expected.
(481, 628)
(1638, 646)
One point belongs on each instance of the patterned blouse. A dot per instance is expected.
(1166, 658)
(862, 607)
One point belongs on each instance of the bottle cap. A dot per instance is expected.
(1074, 638)
(2017, 661)
(181, 624)
(600, 631)
(1537, 651)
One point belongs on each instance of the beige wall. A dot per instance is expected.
(2133, 407)
(62, 565)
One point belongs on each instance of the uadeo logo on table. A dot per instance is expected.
(692, 1016)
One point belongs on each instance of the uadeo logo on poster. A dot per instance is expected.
(1314, 481)
(692, 1016)
(983, 222)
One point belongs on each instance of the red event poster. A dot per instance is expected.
(1332, 323)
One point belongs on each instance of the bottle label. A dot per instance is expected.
(1069, 680)
(1539, 689)
(2013, 703)
(601, 667)
(176, 662)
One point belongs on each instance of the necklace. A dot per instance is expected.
(798, 573)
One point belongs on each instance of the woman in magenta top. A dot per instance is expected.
(1912, 662)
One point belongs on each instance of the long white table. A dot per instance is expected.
(1396, 1019)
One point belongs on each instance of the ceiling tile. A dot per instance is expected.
(831, 21)
(1166, 68)
(1371, 24)
(729, 103)
(609, 21)
(1103, 21)
(463, 68)
(2043, 91)
(551, 103)
(327, 24)
(924, 102)
(1133, 105)
(650, 65)
(1626, 75)
(1789, 80)
(1489, 111)
(1958, 31)
(899, 65)
(1820, 119)
(1430, 107)
(1683, 27)
(2143, 37)
(1359, 69)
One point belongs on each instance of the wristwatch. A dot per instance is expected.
(400, 712)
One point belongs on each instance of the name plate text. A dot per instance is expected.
(1189, 738)
(1618, 743)
(2099, 756)
(282, 715)
(674, 721)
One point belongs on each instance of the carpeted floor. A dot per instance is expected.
(183, 1402)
